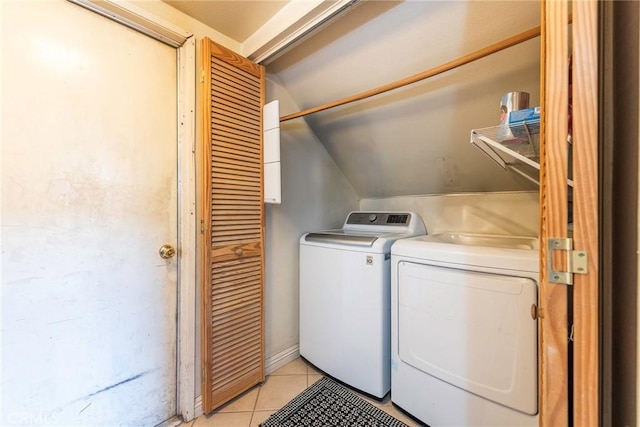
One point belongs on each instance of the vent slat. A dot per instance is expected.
(242, 97)
(230, 99)
(231, 306)
(233, 153)
(235, 184)
(252, 169)
(236, 350)
(240, 131)
(250, 80)
(229, 175)
(246, 289)
(224, 322)
(237, 213)
(235, 194)
(229, 240)
(240, 141)
(229, 357)
(229, 117)
(243, 325)
(229, 283)
(226, 102)
(234, 370)
(234, 144)
(238, 234)
(221, 278)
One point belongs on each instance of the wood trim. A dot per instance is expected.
(187, 231)
(205, 284)
(586, 405)
(231, 57)
(263, 101)
(134, 17)
(553, 333)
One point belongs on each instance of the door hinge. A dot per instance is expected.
(201, 75)
(203, 377)
(576, 261)
(202, 226)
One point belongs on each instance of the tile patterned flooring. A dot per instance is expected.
(255, 405)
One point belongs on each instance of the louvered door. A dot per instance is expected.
(233, 224)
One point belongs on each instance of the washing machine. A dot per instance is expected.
(345, 297)
(464, 339)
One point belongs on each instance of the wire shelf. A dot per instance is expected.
(513, 147)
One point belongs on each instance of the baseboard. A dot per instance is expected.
(272, 364)
(278, 360)
(197, 410)
(171, 422)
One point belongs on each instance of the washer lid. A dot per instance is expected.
(344, 239)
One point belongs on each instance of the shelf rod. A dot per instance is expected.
(489, 50)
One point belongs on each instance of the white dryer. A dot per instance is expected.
(345, 297)
(464, 342)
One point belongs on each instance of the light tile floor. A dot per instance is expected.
(255, 405)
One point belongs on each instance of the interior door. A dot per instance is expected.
(233, 94)
(89, 185)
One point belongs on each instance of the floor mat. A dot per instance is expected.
(328, 404)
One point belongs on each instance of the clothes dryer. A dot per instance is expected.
(464, 342)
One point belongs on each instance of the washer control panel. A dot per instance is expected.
(379, 218)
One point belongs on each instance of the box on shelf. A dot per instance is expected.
(519, 118)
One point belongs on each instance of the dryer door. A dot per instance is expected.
(473, 330)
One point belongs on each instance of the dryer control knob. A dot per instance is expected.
(373, 217)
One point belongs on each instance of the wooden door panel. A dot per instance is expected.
(569, 314)
(586, 297)
(553, 332)
(233, 215)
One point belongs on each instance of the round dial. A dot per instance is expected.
(373, 217)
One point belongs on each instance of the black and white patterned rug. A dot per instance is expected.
(328, 404)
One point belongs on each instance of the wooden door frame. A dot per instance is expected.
(586, 292)
(553, 328)
(140, 20)
(557, 392)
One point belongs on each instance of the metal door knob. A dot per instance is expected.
(167, 251)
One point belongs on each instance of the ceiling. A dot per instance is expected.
(237, 19)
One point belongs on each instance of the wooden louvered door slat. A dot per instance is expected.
(233, 220)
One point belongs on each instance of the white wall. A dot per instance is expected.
(315, 196)
(511, 213)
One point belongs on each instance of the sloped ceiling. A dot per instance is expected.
(413, 140)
